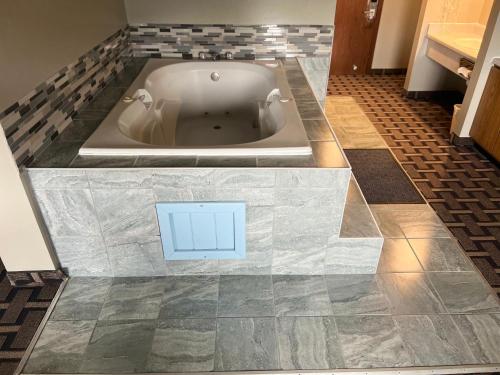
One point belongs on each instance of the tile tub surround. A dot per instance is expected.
(244, 41)
(242, 323)
(103, 222)
(34, 121)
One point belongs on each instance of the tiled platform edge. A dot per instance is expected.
(103, 222)
(31, 123)
(245, 42)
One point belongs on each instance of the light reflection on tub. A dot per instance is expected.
(203, 108)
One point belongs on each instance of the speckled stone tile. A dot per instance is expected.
(101, 162)
(82, 299)
(183, 345)
(356, 295)
(133, 298)
(245, 296)
(440, 254)
(464, 292)
(296, 295)
(411, 293)
(308, 343)
(433, 340)
(246, 344)
(482, 334)
(58, 155)
(120, 346)
(397, 256)
(190, 297)
(60, 348)
(371, 341)
(318, 130)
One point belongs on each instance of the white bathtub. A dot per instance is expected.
(193, 113)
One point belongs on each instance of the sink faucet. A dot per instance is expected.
(211, 55)
(141, 95)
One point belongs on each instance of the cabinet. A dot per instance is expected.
(486, 126)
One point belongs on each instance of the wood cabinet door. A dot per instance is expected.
(486, 126)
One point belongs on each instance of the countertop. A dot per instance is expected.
(463, 38)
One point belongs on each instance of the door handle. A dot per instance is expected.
(371, 10)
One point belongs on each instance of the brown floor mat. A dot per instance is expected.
(21, 311)
(459, 183)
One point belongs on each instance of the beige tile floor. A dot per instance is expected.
(353, 128)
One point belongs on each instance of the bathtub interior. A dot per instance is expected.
(192, 109)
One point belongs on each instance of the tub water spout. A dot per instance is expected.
(141, 95)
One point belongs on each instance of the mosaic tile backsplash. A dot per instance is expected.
(34, 121)
(246, 42)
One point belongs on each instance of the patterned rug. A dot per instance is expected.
(460, 183)
(21, 311)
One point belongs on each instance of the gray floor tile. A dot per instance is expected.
(133, 298)
(190, 297)
(411, 293)
(246, 344)
(371, 341)
(119, 346)
(241, 296)
(60, 348)
(433, 340)
(397, 256)
(440, 254)
(464, 292)
(482, 334)
(301, 296)
(82, 299)
(183, 345)
(308, 343)
(356, 295)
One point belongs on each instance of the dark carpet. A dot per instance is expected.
(21, 311)
(460, 183)
(381, 178)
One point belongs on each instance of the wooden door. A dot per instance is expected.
(486, 126)
(354, 37)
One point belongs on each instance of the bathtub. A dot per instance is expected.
(203, 108)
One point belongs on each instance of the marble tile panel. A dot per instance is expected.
(119, 347)
(142, 257)
(397, 256)
(166, 194)
(190, 297)
(68, 213)
(44, 179)
(82, 299)
(246, 344)
(411, 293)
(285, 161)
(83, 256)
(192, 267)
(433, 340)
(243, 178)
(126, 213)
(60, 348)
(356, 295)
(314, 221)
(182, 178)
(303, 255)
(245, 296)
(440, 254)
(300, 295)
(251, 196)
(482, 334)
(464, 292)
(308, 343)
(317, 177)
(106, 179)
(183, 345)
(371, 341)
(410, 221)
(310, 197)
(133, 298)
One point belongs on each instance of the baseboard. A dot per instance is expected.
(399, 71)
(461, 141)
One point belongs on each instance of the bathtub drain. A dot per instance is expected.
(217, 127)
